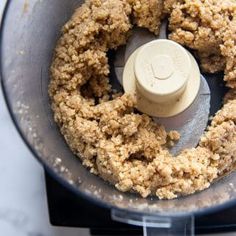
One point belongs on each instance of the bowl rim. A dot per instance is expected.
(63, 181)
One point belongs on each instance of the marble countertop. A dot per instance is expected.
(23, 203)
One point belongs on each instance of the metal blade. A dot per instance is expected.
(192, 122)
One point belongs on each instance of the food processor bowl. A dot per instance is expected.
(29, 33)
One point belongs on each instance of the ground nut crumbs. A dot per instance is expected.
(209, 28)
(125, 148)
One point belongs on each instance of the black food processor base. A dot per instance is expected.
(69, 210)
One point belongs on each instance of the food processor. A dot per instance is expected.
(29, 32)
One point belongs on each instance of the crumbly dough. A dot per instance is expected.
(123, 147)
(147, 13)
(209, 28)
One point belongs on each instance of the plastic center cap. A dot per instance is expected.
(163, 76)
(162, 69)
(162, 66)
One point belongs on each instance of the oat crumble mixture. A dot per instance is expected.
(125, 148)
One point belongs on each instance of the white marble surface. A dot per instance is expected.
(23, 203)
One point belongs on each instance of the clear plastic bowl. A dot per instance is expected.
(30, 30)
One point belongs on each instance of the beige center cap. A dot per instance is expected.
(164, 76)
(162, 69)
